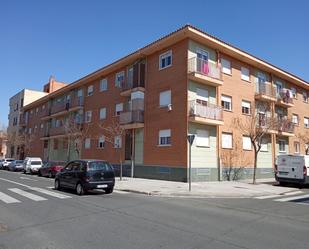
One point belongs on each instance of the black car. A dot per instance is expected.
(84, 175)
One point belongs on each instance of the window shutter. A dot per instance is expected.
(246, 104)
(202, 138)
(246, 143)
(165, 98)
(202, 94)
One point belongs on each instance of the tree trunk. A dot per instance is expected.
(120, 160)
(254, 166)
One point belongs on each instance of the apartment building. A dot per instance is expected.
(15, 121)
(187, 82)
(3, 142)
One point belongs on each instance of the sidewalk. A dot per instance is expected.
(224, 189)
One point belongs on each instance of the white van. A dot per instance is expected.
(292, 169)
(32, 164)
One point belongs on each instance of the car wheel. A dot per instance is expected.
(109, 190)
(80, 189)
(50, 175)
(57, 185)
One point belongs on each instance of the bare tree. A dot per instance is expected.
(111, 132)
(304, 138)
(256, 126)
(76, 132)
(24, 141)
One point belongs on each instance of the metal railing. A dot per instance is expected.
(131, 117)
(65, 106)
(285, 95)
(204, 67)
(265, 88)
(209, 111)
(134, 105)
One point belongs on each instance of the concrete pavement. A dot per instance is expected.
(224, 189)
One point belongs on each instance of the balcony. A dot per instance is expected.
(22, 120)
(64, 107)
(279, 126)
(205, 72)
(265, 91)
(135, 80)
(132, 119)
(286, 127)
(205, 114)
(285, 98)
(57, 131)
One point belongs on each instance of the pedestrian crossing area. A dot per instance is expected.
(298, 197)
(18, 195)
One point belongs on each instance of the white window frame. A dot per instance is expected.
(103, 85)
(227, 99)
(305, 97)
(117, 141)
(264, 145)
(245, 74)
(281, 141)
(101, 112)
(89, 90)
(118, 81)
(167, 137)
(165, 98)
(164, 57)
(306, 122)
(246, 104)
(296, 147)
(202, 94)
(295, 117)
(227, 144)
(88, 116)
(101, 142)
(202, 138)
(226, 66)
(294, 92)
(118, 109)
(246, 143)
(87, 143)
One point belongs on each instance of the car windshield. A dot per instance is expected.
(35, 163)
(99, 165)
(10, 160)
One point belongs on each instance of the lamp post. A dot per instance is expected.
(190, 138)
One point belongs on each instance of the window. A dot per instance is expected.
(119, 109)
(165, 60)
(55, 146)
(246, 107)
(87, 143)
(306, 122)
(296, 147)
(201, 96)
(202, 138)
(90, 90)
(43, 107)
(226, 66)
(103, 85)
(101, 142)
(226, 102)
(305, 97)
(264, 145)
(245, 75)
(119, 79)
(102, 113)
(295, 119)
(117, 141)
(165, 137)
(246, 143)
(165, 98)
(88, 116)
(227, 140)
(294, 92)
(281, 145)
(42, 126)
(37, 110)
(30, 130)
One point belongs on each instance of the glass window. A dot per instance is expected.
(226, 66)
(165, 137)
(264, 145)
(87, 143)
(245, 75)
(296, 147)
(246, 107)
(90, 90)
(227, 140)
(118, 109)
(295, 119)
(102, 113)
(226, 102)
(119, 79)
(294, 92)
(246, 143)
(305, 97)
(281, 145)
(101, 142)
(306, 122)
(165, 60)
(118, 141)
(202, 138)
(201, 96)
(165, 98)
(103, 85)
(88, 116)
(99, 165)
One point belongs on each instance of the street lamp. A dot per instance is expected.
(190, 138)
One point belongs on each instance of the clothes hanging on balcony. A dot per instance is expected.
(205, 67)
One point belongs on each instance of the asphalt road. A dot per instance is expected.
(33, 216)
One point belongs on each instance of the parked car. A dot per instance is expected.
(51, 168)
(32, 165)
(292, 169)
(17, 165)
(6, 162)
(84, 175)
(1, 161)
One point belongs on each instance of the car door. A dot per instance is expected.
(77, 172)
(64, 177)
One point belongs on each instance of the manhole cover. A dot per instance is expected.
(3, 227)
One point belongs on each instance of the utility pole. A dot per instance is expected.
(190, 138)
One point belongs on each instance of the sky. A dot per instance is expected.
(71, 38)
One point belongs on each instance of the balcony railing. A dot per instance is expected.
(131, 117)
(66, 106)
(208, 111)
(285, 96)
(275, 124)
(55, 131)
(286, 126)
(204, 67)
(134, 104)
(264, 88)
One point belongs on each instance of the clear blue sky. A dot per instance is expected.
(71, 38)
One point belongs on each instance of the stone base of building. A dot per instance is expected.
(180, 174)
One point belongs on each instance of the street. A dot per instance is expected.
(34, 216)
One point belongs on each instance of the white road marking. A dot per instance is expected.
(27, 194)
(278, 195)
(27, 178)
(7, 199)
(293, 198)
(51, 193)
(293, 193)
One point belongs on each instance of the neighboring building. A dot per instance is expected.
(3, 141)
(187, 82)
(17, 102)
